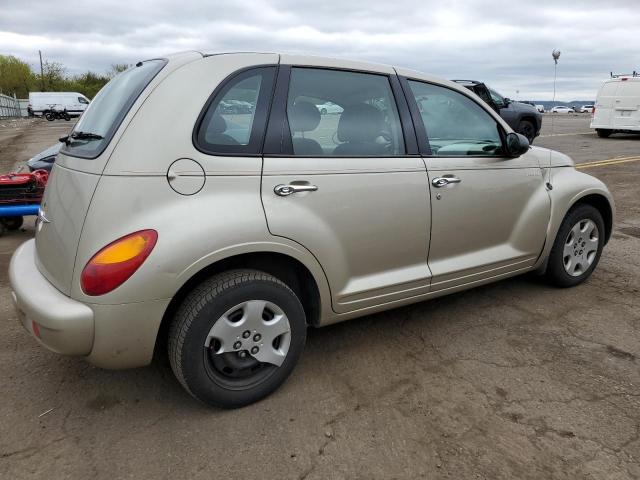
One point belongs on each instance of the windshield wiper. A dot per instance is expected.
(86, 136)
(80, 136)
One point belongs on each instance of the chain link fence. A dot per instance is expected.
(9, 107)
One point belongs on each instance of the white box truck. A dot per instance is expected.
(75, 103)
(617, 107)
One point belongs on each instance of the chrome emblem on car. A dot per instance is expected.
(42, 218)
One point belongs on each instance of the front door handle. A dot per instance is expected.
(439, 182)
(286, 190)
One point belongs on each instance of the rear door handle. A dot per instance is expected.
(286, 190)
(439, 182)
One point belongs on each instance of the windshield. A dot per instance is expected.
(104, 114)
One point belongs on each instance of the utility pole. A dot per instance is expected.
(41, 71)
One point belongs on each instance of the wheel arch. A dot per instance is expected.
(602, 204)
(308, 282)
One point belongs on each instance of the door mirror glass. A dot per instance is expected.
(516, 144)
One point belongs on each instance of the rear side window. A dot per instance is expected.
(339, 113)
(103, 116)
(234, 120)
(455, 125)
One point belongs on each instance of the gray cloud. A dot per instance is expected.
(504, 43)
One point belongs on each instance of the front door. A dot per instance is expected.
(489, 212)
(347, 190)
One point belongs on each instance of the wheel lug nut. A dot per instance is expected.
(246, 334)
(237, 345)
(257, 337)
(255, 350)
(242, 354)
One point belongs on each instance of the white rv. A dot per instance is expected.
(617, 107)
(75, 103)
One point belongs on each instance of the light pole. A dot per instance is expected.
(556, 56)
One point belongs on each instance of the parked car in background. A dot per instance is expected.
(41, 102)
(562, 109)
(171, 233)
(329, 107)
(586, 109)
(540, 108)
(617, 107)
(45, 159)
(522, 117)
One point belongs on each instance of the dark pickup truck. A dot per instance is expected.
(522, 117)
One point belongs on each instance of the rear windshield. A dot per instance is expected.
(106, 111)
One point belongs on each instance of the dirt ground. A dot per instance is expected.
(515, 380)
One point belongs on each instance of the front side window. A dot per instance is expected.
(497, 98)
(235, 119)
(103, 116)
(338, 113)
(83, 100)
(455, 124)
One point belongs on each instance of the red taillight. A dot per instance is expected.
(115, 263)
(593, 111)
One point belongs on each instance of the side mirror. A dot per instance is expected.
(516, 145)
(507, 101)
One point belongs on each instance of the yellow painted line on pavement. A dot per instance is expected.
(610, 161)
(566, 134)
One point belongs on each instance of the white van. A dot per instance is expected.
(617, 106)
(75, 103)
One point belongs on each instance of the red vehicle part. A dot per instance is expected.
(22, 188)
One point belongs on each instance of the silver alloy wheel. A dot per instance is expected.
(580, 247)
(257, 328)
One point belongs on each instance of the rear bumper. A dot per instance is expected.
(61, 324)
(109, 336)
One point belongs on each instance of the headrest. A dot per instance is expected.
(360, 123)
(217, 124)
(303, 117)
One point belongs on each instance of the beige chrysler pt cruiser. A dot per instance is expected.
(208, 206)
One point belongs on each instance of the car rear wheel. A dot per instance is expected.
(603, 133)
(526, 128)
(577, 247)
(236, 338)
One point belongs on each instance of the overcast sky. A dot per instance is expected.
(507, 44)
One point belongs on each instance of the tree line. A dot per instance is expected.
(17, 77)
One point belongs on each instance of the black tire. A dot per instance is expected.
(603, 133)
(526, 128)
(50, 116)
(12, 223)
(66, 116)
(556, 272)
(323, 111)
(194, 364)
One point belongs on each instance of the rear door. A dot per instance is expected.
(489, 212)
(627, 104)
(605, 101)
(349, 186)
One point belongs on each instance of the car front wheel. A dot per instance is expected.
(577, 247)
(527, 129)
(236, 338)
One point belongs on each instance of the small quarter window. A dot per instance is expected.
(455, 125)
(234, 121)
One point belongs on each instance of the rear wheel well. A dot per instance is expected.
(285, 268)
(600, 203)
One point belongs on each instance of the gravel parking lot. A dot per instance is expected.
(515, 380)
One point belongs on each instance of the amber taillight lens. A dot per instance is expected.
(115, 263)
